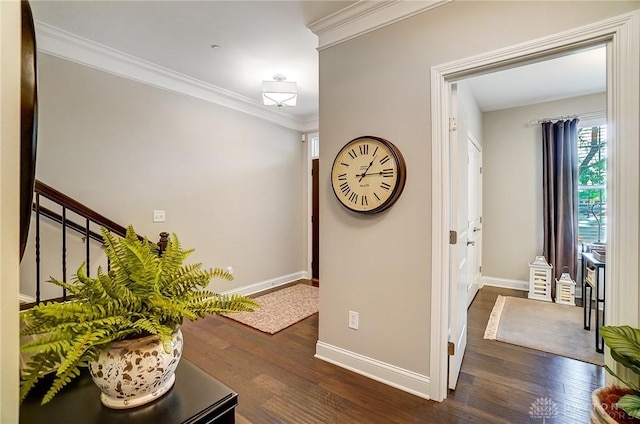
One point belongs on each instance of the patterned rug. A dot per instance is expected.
(544, 326)
(281, 309)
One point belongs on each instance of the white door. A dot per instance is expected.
(458, 224)
(474, 252)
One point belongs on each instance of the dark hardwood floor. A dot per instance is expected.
(279, 381)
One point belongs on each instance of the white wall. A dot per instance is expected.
(472, 112)
(381, 265)
(231, 184)
(512, 183)
(9, 219)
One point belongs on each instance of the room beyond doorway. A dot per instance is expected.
(622, 102)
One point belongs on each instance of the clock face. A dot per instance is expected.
(368, 174)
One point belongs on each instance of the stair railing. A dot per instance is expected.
(85, 213)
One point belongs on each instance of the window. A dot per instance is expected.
(315, 146)
(592, 178)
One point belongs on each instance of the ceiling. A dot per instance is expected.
(259, 39)
(256, 39)
(576, 74)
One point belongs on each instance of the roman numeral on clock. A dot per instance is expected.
(384, 160)
(353, 198)
(385, 186)
(344, 188)
(364, 149)
(364, 201)
(388, 172)
(342, 177)
(353, 154)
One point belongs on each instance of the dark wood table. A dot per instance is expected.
(196, 397)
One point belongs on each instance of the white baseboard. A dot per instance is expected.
(391, 375)
(505, 283)
(517, 284)
(268, 284)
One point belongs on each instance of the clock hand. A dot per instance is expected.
(370, 173)
(365, 171)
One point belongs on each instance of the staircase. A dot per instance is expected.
(63, 234)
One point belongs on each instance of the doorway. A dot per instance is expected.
(314, 207)
(621, 104)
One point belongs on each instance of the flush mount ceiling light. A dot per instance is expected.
(279, 92)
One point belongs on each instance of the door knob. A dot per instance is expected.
(476, 229)
(471, 243)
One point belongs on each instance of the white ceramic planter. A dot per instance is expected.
(598, 413)
(134, 372)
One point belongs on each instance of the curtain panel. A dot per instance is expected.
(560, 196)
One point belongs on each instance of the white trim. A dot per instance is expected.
(310, 126)
(623, 151)
(623, 102)
(268, 284)
(365, 16)
(68, 46)
(440, 188)
(391, 375)
(505, 283)
(23, 298)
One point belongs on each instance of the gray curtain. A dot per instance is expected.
(560, 196)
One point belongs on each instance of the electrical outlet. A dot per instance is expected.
(158, 216)
(353, 320)
(230, 269)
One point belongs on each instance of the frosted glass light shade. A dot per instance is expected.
(279, 93)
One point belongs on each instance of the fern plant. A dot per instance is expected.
(141, 294)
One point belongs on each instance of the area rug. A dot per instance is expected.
(544, 326)
(281, 309)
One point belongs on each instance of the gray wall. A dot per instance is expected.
(512, 183)
(231, 184)
(379, 84)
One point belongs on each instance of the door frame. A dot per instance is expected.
(622, 37)
(308, 160)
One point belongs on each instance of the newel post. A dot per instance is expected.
(162, 244)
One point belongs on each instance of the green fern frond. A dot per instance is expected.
(39, 365)
(185, 280)
(221, 273)
(61, 380)
(78, 349)
(141, 294)
(70, 288)
(216, 304)
(57, 341)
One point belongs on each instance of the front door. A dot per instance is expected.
(315, 218)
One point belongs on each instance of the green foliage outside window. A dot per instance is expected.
(592, 181)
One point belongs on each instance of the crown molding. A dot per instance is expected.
(56, 42)
(366, 16)
(311, 125)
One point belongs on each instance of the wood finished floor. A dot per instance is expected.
(279, 381)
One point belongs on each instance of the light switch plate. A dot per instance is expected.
(158, 216)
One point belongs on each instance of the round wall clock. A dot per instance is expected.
(368, 174)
